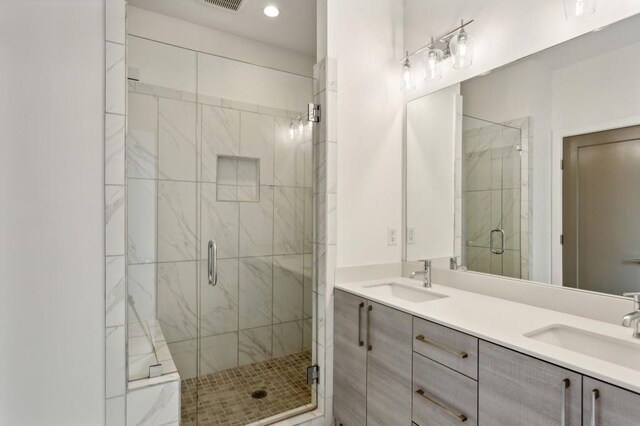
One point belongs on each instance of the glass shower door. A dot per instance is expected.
(255, 208)
(219, 154)
(491, 197)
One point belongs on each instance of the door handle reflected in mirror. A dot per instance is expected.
(501, 249)
(212, 266)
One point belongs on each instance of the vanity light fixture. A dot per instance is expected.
(574, 9)
(407, 79)
(457, 44)
(461, 46)
(271, 11)
(432, 62)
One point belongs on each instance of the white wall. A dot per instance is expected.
(432, 123)
(365, 36)
(52, 217)
(155, 26)
(504, 30)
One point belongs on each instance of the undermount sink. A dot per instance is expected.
(626, 354)
(404, 292)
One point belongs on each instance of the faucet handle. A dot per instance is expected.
(636, 297)
(427, 262)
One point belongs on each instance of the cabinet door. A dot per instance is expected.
(349, 360)
(613, 406)
(389, 388)
(515, 389)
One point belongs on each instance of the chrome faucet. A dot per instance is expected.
(633, 317)
(426, 273)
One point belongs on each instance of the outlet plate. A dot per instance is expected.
(411, 235)
(392, 236)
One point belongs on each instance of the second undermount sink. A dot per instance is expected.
(616, 351)
(404, 292)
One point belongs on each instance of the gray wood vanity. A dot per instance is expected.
(392, 368)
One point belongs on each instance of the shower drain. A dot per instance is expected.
(259, 394)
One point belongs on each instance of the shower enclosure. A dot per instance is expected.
(219, 156)
(491, 197)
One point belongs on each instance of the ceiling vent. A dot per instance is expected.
(232, 5)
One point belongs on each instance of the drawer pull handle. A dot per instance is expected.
(450, 411)
(447, 349)
(360, 341)
(565, 385)
(369, 345)
(595, 394)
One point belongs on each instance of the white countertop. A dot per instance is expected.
(504, 322)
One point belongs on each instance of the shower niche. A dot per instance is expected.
(238, 179)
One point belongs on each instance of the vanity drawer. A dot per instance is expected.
(446, 346)
(442, 396)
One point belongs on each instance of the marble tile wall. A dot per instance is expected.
(160, 404)
(496, 192)
(325, 188)
(115, 215)
(233, 173)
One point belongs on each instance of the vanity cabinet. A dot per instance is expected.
(350, 360)
(391, 368)
(515, 389)
(613, 405)
(373, 365)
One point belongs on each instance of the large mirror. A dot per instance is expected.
(532, 171)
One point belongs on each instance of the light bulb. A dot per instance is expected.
(292, 132)
(271, 11)
(300, 126)
(432, 60)
(579, 8)
(462, 50)
(407, 79)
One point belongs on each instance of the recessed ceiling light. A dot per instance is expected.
(271, 11)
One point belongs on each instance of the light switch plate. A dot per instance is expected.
(392, 236)
(411, 235)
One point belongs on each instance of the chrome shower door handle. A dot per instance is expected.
(212, 263)
(501, 249)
